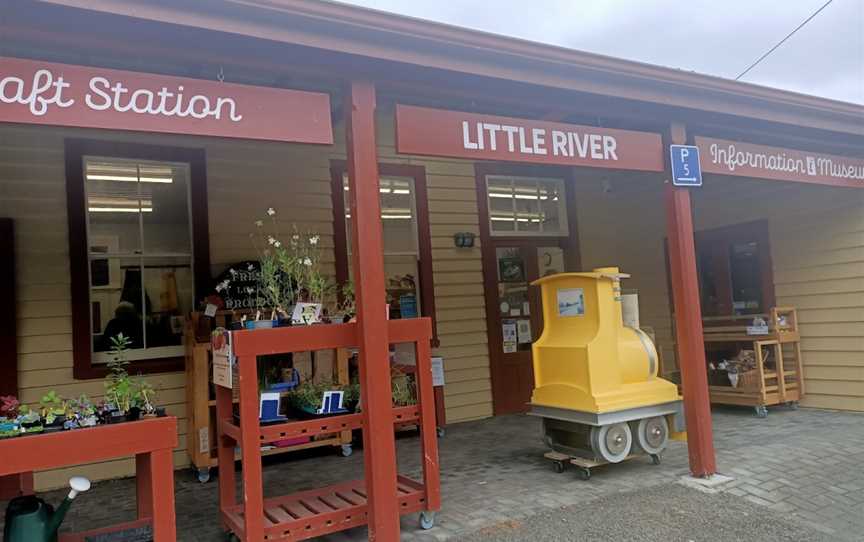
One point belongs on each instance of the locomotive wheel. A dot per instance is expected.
(612, 443)
(652, 434)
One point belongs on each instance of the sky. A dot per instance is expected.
(716, 37)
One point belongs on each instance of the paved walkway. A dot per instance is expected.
(802, 468)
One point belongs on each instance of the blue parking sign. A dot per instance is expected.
(686, 170)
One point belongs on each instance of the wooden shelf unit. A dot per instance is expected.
(779, 376)
(200, 408)
(309, 514)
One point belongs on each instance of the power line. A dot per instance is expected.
(781, 42)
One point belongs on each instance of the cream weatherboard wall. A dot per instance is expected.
(817, 248)
(243, 179)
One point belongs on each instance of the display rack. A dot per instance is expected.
(151, 441)
(778, 375)
(308, 514)
(201, 408)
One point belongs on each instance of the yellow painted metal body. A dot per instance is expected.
(586, 359)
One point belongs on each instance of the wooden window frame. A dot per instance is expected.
(338, 169)
(76, 149)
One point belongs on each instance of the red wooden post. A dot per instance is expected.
(162, 485)
(431, 468)
(225, 451)
(378, 436)
(688, 324)
(144, 485)
(250, 448)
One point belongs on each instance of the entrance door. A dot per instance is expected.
(524, 236)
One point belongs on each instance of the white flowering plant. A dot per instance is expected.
(290, 269)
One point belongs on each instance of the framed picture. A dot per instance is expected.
(511, 269)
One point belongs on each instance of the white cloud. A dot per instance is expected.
(825, 58)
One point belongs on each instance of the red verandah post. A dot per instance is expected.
(688, 323)
(379, 445)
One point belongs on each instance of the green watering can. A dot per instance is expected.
(30, 519)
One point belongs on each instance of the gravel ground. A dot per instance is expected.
(669, 513)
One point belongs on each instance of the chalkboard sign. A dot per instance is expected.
(238, 285)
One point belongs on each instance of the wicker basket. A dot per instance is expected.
(748, 379)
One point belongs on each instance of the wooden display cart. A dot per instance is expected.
(309, 514)
(777, 377)
(201, 404)
(151, 441)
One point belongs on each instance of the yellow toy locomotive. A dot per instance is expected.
(596, 383)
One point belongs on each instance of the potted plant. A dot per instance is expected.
(120, 388)
(83, 412)
(9, 426)
(306, 399)
(145, 397)
(52, 408)
(29, 420)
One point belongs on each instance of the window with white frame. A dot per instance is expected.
(527, 206)
(139, 238)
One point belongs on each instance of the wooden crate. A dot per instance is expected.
(200, 408)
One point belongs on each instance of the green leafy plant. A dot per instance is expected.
(52, 407)
(122, 390)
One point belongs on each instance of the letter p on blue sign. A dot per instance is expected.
(686, 170)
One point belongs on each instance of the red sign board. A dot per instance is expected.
(436, 132)
(35, 92)
(750, 160)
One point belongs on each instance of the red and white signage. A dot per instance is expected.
(35, 92)
(437, 132)
(750, 160)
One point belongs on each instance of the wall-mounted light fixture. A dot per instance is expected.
(463, 239)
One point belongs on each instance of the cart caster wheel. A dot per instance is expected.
(440, 432)
(347, 450)
(761, 411)
(427, 520)
(203, 475)
(584, 474)
(558, 466)
(655, 459)
(792, 405)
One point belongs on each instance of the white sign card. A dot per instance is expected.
(523, 330)
(437, 371)
(571, 302)
(306, 313)
(223, 358)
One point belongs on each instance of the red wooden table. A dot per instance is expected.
(151, 441)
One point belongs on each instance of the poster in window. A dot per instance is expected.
(511, 269)
(523, 331)
(571, 302)
(510, 336)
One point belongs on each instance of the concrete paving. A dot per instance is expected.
(797, 474)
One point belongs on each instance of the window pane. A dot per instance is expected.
(169, 292)
(398, 218)
(501, 204)
(117, 306)
(114, 207)
(527, 205)
(166, 225)
(746, 278)
(551, 201)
